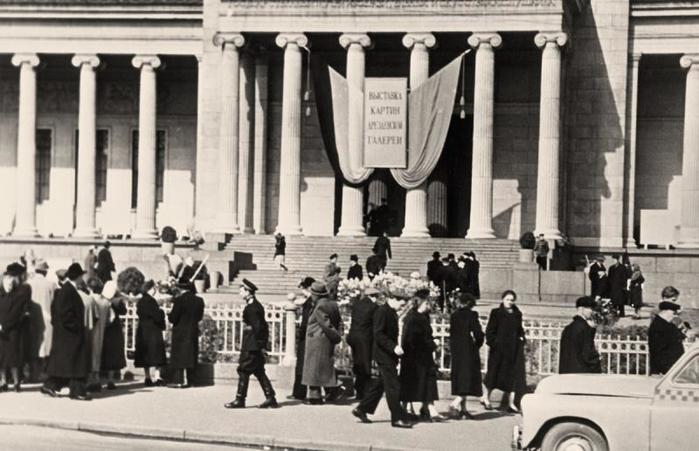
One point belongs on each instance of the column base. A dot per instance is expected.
(415, 233)
(289, 230)
(480, 234)
(351, 231)
(25, 233)
(145, 234)
(248, 230)
(86, 233)
(631, 242)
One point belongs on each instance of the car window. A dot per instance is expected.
(690, 373)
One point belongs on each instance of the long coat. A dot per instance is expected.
(323, 333)
(105, 265)
(306, 311)
(598, 285)
(636, 289)
(113, 357)
(355, 272)
(578, 353)
(418, 370)
(187, 311)
(361, 333)
(665, 345)
(474, 285)
(465, 340)
(505, 337)
(433, 268)
(255, 328)
(385, 336)
(150, 346)
(70, 357)
(617, 276)
(14, 309)
(42, 294)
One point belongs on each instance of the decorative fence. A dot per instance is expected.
(620, 354)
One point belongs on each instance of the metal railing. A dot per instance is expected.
(620, 354)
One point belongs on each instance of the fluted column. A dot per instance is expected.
(87, 129)
(289, 220)
(25, 182)
(260, 159)
(481, 216)
(689, 216)
(631, 136)
(378, 188)
(548, 176)
(437, 202)
(416, 198)
(145, 200)
(227, 213)
(246, 130)
(353, 197)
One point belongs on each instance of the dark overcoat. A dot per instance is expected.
(617, 276)
(361, 333)
(474, 285)
(433, 267)
(578, 353)
(665, 345)
(70, 353)
(418, 370)
(150, 346)
(323, 333)
(374, 265)
(385, 336)
(465, 340)
(462, 279)
(598, 285)
(636, 289)
(14, 318)
(382, 248)
(504, 335)
(113, 353)
(306, 311)
(255, 328)
(187, 311)
(355, 272)
(105, 265)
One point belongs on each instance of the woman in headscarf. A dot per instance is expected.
(113, 352)
(636, 289)
(150, 346)
(465, 339)
(505, 337)
(418, 370)
(15, 299)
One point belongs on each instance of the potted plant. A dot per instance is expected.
(210, 342)
(168, 236)
(527, 242)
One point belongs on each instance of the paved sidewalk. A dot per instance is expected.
(198, 415)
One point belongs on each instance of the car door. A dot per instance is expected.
(674, 421)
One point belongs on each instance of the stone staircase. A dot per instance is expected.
(307, 256)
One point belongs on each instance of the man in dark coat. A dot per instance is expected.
(578, 353)
(617, 278)
(473, 266)
(253, 350)
(433, 268)
(387, 351)
(299, 390)
(105, 264)
(382, 248)
(447, 281)
(15, 304)
(355, 269)
(373, 266)
(187, 311)
(382, 218)
(331, 268)
(69, 362)
(597, 278)
(665, 339)
(323, 333)
(361, 339)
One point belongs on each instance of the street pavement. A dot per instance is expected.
(198, 414)
(34, 438)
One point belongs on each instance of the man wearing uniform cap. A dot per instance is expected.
(665, 339)
(253, 350)
(361, 339)
(578, 353)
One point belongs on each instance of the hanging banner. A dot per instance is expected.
(385, 122)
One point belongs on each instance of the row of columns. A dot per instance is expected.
(85, 224)
(416, 212)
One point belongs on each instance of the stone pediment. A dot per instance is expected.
(432, 6)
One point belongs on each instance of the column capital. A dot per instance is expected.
(476, 39)
(284, 39)
(347, 39)
(412, 39)
(560, 38)
(236, 39)
(139, 61)
(85, 58)
(690, 61)
(25, 58)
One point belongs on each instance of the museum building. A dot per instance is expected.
(572, 118)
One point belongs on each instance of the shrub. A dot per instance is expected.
(168, 235)
(527, 240)
(210, 340)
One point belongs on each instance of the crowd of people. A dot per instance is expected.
(621, 283)
(455, 275)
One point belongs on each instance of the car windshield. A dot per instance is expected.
(690, 372)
